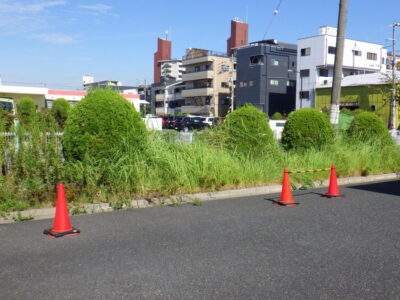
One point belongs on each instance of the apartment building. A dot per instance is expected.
(167, 97)
(171, 69)
(316, 57)
(163, 53)
(266, 76)
(209, 80)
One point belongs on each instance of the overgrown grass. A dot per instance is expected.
(29, 176)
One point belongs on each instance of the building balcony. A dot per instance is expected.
(160, 97)
(197, 75)
(196, 109)
(197, 92)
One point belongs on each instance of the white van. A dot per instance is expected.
(277, 127)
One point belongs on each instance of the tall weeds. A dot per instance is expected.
(31, 171)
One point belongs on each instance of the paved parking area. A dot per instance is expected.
(242, 248)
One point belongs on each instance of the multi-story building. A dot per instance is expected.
(163, 53)
(171, 69)
(239, 36)
(316, 57)
(209, 80)
(89, 83)
(266, 76)
(168, 97)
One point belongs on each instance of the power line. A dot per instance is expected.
(276, 11)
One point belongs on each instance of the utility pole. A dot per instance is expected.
(337, 70)
(392, 123)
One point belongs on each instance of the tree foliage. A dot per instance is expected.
(26, 110)
(60, 110)
(101, 124)
(307, 128)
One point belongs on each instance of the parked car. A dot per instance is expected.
(164, 122)
(170, 122)
(195, 123)
(178, 123)
(210, 121)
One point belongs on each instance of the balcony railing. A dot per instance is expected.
(202, 54)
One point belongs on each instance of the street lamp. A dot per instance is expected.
(392, 123)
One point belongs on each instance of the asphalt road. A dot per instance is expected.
(243, 248)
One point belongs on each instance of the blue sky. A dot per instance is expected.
(57, 41)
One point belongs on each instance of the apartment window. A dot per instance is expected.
(305, 73)
(197, 68)
(323, 72)
(372, 56)
(251, 83)
(290, 83)
(244, 83)
(331, 50)
(256, 60)
(208, 100)
(274, 62)
(304, 94)
(305, 51)
(274, 82)
(357, 52)
(224, 85)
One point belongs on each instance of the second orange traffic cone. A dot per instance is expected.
(286, 195)
(62, 226)
(333, 189)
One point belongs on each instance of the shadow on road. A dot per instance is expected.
(391, 187)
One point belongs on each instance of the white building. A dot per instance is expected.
(171, 69)
(316, 57)
(168, 98)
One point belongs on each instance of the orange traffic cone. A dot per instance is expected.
(333, 190)
(286, 195)
(62, 226)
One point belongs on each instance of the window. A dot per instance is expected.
(383, 60)
(305, 51)
(274, 82)
(274, 62)
(357, 52)
(251, 83)
(208, 100)
(305, 73)
(372, 56)
(304, 94)
(224, 85)
(331, 50)
(256, 60)
(290, 83)
(197, 68)
(323, 72)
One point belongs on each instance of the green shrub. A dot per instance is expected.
(26, 109)
(60, 110)
(276, 116)
(367, 126)
(246, 130)
(101, 124)
(307, 128)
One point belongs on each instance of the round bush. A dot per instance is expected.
(367, 126)
(246, 131)
(60, 110)
(276, 116)
(100, 124)
(26, 109)
(307, 128)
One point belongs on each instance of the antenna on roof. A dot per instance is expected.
(166, 34)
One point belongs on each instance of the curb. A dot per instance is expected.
(48, 213)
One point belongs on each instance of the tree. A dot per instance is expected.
(26, 110)
(60, 110)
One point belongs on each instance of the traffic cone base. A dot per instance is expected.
(286, 195)
(53, 234)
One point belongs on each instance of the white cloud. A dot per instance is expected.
(21, 8)
(96, 9)
(55, 38)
